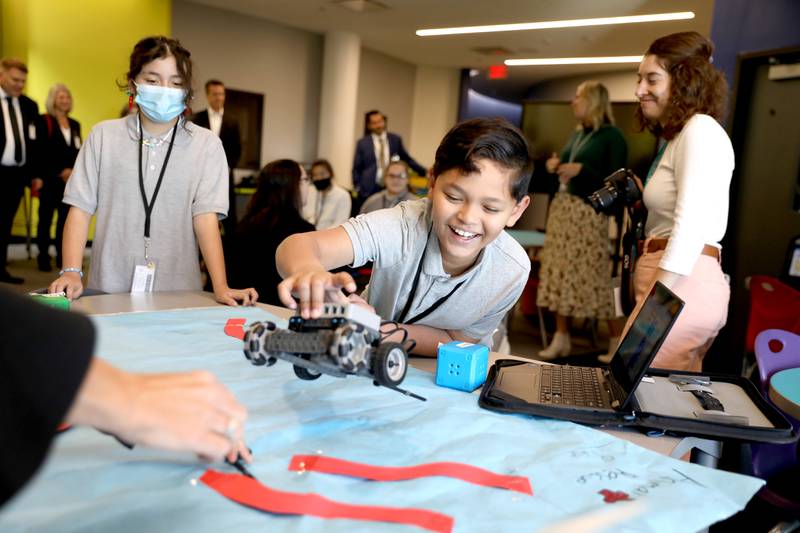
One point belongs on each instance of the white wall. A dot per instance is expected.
(620, 86)
(420, 101)
(386, 84)
(436, 93)
(258, 56)
(285, 65)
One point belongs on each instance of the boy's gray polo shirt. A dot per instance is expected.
(394, 239)
(105, 183)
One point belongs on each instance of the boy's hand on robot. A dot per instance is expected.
(309, 290)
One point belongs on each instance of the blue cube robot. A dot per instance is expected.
(462, 365)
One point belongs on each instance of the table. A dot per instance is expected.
(92, 483)
(159, 301)
(784, 391)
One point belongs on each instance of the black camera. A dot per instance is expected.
(620, 187)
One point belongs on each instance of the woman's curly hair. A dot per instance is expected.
(696, 86)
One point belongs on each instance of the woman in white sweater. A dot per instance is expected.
(682, 96)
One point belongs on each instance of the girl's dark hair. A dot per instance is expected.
(159, 47)
(323, 163)
(278, 189)
(696, 86)
(494, 139)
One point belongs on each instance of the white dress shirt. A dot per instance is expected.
(215, 120)
(8, 150)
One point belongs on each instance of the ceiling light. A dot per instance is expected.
(658, 17)
(572, 61)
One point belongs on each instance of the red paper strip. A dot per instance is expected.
(464, 472)
(249, 492)
(234, 327)
(62, 427)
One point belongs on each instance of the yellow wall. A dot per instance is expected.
(84, 44)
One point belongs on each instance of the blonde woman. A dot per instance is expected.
(575, 275)
(60, 141)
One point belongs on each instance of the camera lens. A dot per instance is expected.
(602, 200)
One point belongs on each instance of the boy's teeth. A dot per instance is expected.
(464, 233)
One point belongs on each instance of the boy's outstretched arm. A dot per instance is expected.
(303, 260)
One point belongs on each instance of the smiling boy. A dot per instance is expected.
(442, 266)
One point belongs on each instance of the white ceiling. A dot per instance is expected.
(391, 30)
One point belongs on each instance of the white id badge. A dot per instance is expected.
(144, 276)
(32, 132)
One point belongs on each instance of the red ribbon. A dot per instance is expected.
(464, 472)
(249, 492)
(234, 327)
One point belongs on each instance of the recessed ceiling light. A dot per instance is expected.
(572, 61)
(658, 17)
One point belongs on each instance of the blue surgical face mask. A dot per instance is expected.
(160, 104)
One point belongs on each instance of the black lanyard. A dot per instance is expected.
(148, 207)
(416, 318)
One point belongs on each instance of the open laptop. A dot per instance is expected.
(597, 388)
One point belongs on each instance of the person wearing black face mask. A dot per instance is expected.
(328, 204)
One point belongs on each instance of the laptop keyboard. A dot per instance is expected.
(571, 385)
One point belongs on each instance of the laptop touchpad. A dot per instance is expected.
(521, 381)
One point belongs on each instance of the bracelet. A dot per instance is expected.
(70, 269)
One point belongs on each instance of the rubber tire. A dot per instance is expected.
(382, 360)
(304, 373)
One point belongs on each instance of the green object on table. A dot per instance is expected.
(58, 300)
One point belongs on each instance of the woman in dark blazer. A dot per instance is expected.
(60, 140)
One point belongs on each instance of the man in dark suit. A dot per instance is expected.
(374, 151)
(227, 130)
(18, 115)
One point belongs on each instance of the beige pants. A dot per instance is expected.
(706, 293)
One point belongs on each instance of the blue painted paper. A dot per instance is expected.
(91, 483)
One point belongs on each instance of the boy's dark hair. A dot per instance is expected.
(494, 139)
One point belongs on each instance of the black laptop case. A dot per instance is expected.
(658, 404)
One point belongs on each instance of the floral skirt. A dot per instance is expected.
(575, 273)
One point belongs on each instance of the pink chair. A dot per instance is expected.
(775, 350)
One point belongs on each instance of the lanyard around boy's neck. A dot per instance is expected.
(148, 206)
(656, 161)
(416, 318)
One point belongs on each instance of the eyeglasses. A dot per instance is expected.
(397, 176)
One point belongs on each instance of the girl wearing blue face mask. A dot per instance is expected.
(157, 185)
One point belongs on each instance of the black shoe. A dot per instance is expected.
(45, 264)
(5, 277)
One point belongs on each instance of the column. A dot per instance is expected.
(340, 63)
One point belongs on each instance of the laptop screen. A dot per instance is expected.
(644, 337)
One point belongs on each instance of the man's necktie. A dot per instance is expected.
(12, 114)
(382, 162)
